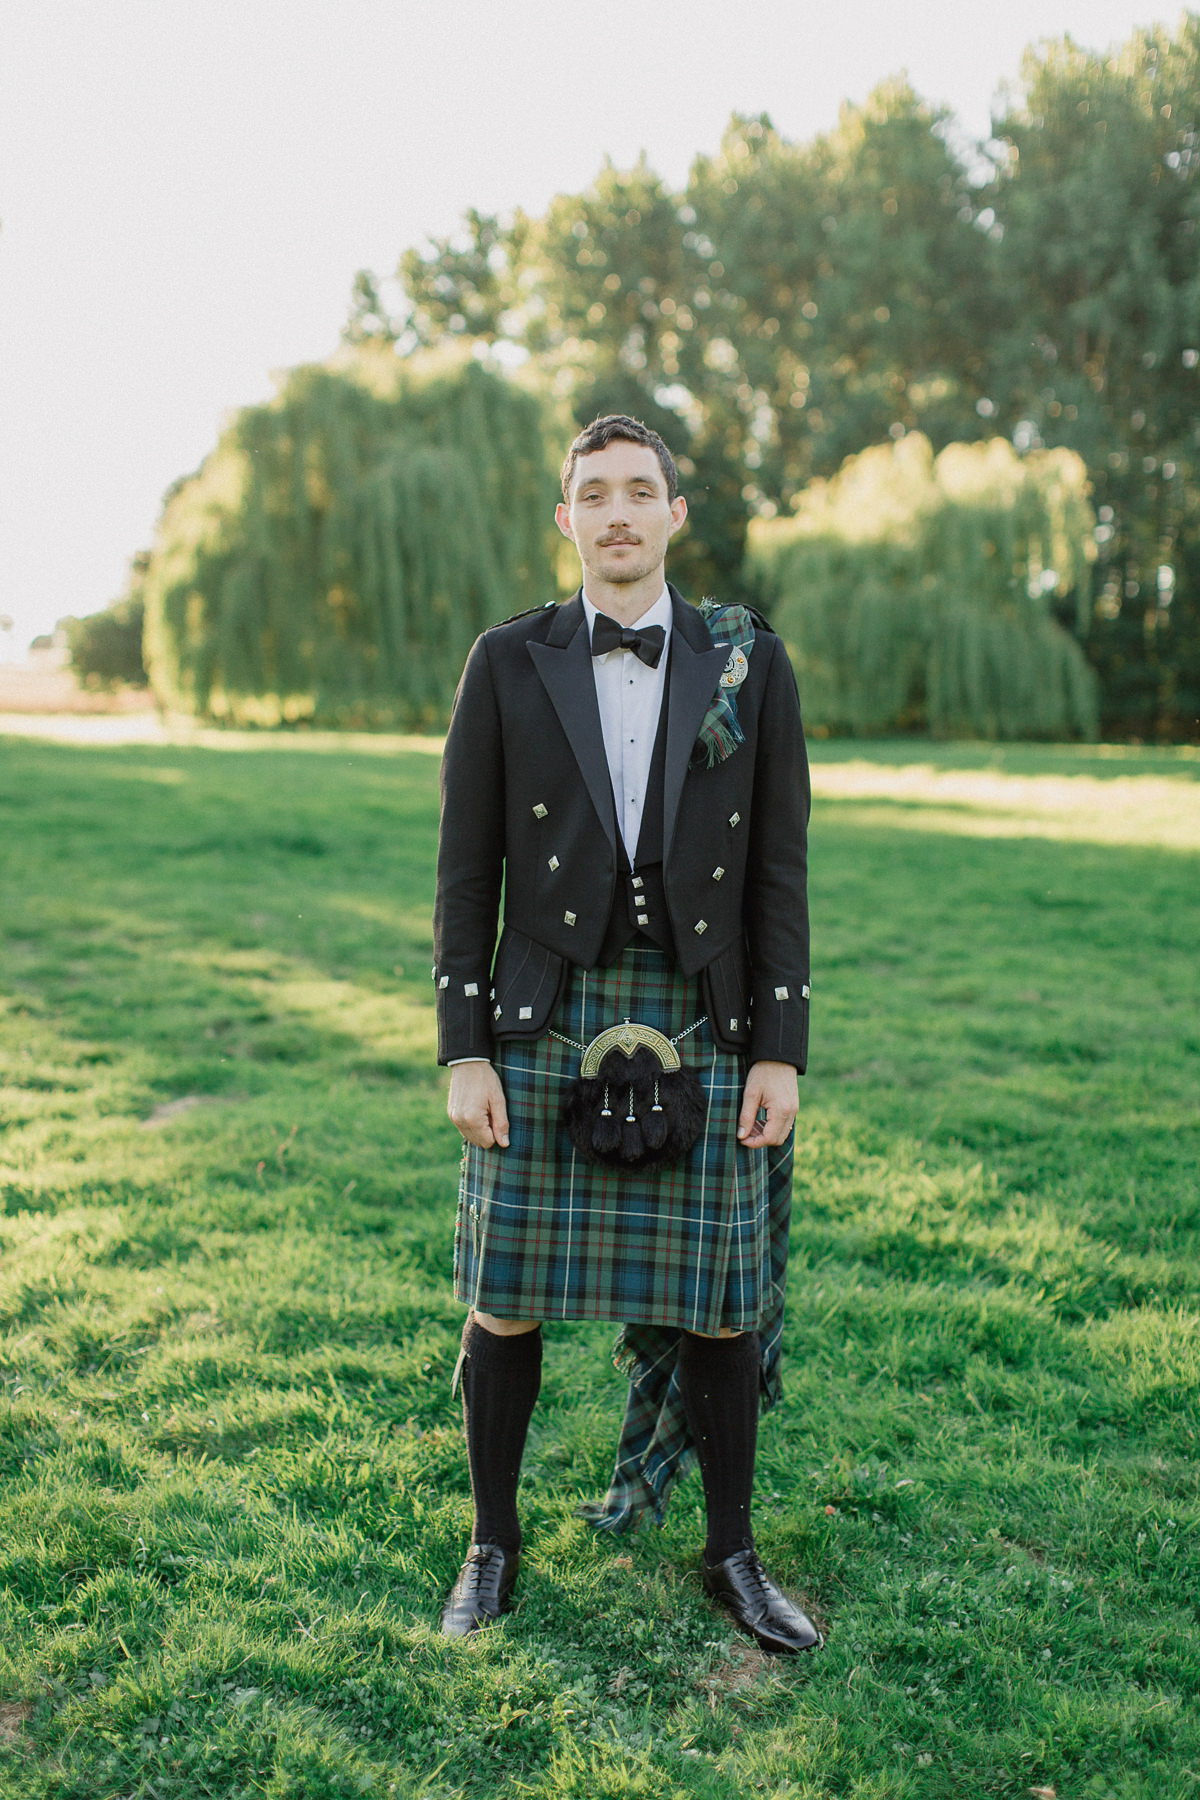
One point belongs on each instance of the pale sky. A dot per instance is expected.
(187, 188)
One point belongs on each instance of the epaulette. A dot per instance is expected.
(527, 613)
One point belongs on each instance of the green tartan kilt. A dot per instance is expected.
(541, 1234)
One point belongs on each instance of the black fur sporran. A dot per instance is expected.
(632, 1114)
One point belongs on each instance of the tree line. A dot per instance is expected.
(791, 306)
(794, 303)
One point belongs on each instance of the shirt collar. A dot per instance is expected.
(659, 614)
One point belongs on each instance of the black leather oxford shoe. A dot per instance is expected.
(742, 1586)
(482, 1591)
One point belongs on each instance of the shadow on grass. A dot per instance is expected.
(234, 1485)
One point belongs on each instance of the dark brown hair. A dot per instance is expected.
(601, 432)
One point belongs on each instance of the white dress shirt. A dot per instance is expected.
(630, 696)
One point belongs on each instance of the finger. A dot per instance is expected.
(474, 1126)
(771, 1130)
(747, 1124)
(499, 1122)
(777, 1129)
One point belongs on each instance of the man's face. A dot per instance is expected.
(618, 515)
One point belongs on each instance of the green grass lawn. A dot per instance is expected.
(232, 1488)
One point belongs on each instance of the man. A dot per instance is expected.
(635, 779)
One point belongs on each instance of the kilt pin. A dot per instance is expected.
(541, 1233)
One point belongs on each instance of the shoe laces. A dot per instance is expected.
(486, 1564)
(753, 1569)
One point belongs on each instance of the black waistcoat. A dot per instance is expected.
(639, 899)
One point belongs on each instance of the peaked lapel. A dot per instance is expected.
(695, 670)
(564, 663)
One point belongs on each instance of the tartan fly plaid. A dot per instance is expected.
(656, 1445)
(541, 1234)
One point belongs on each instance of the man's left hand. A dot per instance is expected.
(773, 1088)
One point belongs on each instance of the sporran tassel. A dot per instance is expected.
(664, 1116)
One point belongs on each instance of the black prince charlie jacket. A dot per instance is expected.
(527, 807)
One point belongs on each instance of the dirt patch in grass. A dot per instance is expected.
(171, 1109)
(13, 1716)
(744, 1665)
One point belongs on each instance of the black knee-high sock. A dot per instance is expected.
(719, 1382)
(501, 1377)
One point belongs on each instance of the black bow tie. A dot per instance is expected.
(646, 644)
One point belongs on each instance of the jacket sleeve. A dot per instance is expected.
(470, 864)
(776, 897)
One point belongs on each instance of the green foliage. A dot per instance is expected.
(1098, 201)
(473, 273)
(848, 283)
(914, 593)
(795, 303)
(343, 545)
(106, 647)
(842, 276)
(232, 1482)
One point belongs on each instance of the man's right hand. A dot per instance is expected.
(477, 1105)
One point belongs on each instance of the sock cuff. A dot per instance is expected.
(713, 1354)
(488, 1350)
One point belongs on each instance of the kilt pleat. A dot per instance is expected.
(542, 1234)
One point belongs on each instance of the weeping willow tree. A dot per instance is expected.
(338, 552)
(922, 593)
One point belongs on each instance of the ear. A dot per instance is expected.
(562, 518)
(678, 513)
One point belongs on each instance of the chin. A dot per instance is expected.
(624, 574)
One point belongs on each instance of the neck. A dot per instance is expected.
(626, 602)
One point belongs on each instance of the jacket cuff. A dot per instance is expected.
(779, 1024)
(463, 1017)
